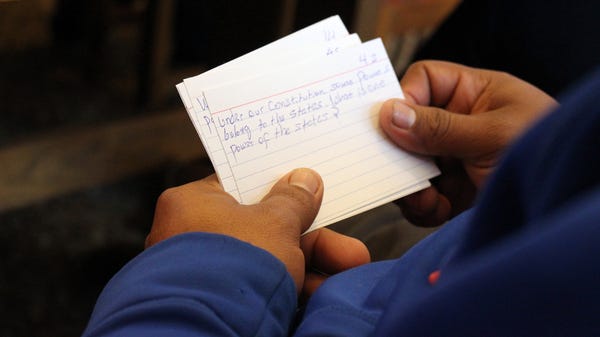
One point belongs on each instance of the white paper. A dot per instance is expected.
(316, 105)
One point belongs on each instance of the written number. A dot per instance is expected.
(366, 59)
(329, 35)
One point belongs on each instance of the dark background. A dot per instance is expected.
(87, 66)
(79, 75)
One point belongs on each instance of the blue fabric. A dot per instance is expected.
(522, 262)
(197, 285)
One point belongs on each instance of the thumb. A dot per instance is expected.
(430, 130)
(295, 199)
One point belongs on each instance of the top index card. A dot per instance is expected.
(321, 114)
(305, 43)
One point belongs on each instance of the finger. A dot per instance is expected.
(426, 208)
(421, 202)
(312, 281)
(331, 252)
(436, 83)
(295, 199)
(434, 131)
(459, 88)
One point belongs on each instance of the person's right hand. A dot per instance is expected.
(465, 118)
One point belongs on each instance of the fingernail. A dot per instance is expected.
(403, 116)
(305, 179)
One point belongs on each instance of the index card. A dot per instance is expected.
(322, 37)
(234, 71)
(321, 114)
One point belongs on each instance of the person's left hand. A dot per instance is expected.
(327, 253)
(275, 224)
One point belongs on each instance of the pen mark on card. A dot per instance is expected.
(261, 122)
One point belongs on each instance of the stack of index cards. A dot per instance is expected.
(310, 99)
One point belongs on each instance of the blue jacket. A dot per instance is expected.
(525, 261)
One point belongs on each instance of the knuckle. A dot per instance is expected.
(168, 197)
(415, 68)
(499, 131)
(418, 65)
(500, 134)
(276, 219)
(280, 215)
(290, 204)
(296, 199)
(438, 127)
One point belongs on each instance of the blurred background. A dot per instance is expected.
(92, 130)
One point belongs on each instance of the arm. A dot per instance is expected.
(197, 284)
(235, 270)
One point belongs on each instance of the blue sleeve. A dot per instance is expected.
(197, 284)
(527, 264)
(522, 262)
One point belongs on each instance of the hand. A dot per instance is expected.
(275, 224)
(466, 118)
(328, 253)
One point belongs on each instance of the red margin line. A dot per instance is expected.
(299, 87)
